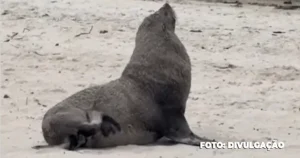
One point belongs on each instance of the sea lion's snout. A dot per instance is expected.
(166, 9)
(168, 13)
(165, 16)
(161, 21)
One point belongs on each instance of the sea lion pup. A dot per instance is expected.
(145, 104)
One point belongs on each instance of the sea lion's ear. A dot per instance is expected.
(164, 27)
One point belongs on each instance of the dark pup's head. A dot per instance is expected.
(162, 20)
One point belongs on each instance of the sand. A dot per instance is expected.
(245, 77)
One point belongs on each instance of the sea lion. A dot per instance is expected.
(146, 103)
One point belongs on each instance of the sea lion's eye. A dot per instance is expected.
(156, 15)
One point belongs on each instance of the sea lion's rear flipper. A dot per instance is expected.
(71, 130)
(109, 125)
(106, 124)
(73, 142)
(180, 132)
(98, 122)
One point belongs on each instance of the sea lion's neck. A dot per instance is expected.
(162, 71)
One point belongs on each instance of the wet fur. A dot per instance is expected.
(146, 103)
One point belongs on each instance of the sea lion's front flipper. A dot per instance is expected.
(106, 124)
(180, 132)
(191, 139)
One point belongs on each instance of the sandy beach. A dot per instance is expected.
(245, 71)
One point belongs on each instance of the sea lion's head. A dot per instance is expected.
(161, 20)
